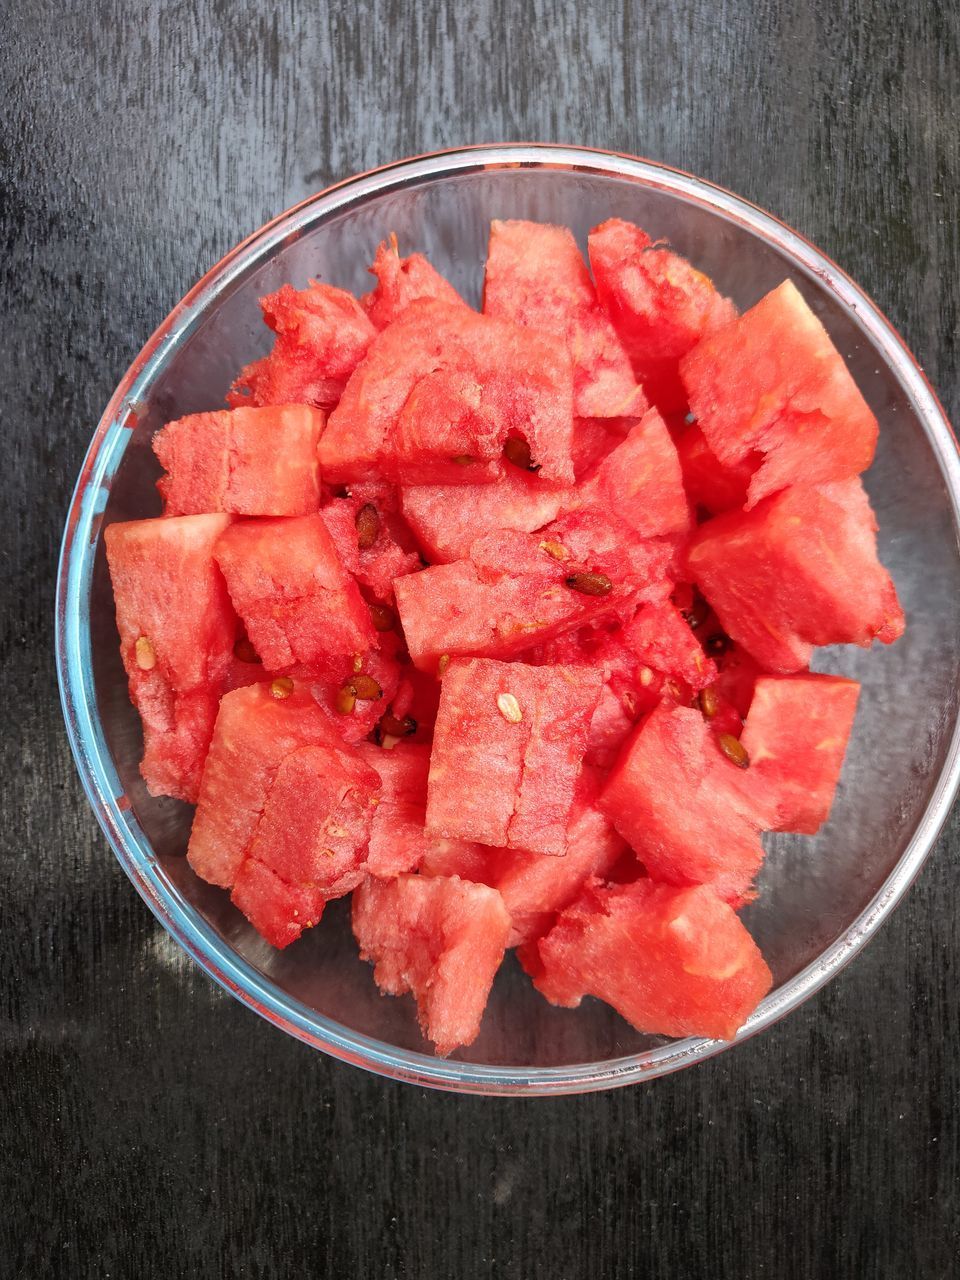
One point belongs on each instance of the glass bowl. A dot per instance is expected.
(820, 899)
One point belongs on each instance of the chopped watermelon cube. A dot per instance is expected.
(517, 590)
(710, 485)
(640, 482)
(279, 911)
(796, 734)
(441, 939)
(447, 519)
(398, 841)
(535, 886)
(322, 335)
(254, 734)
(799, 570)
(287, 583)
(372, 538)
(177, 631)
(507, 750)
(537, 278)
(251, 462)
(401, 281)
(311, 835)
(773, 383)
(690, 814)
(485, 381)
(673, 962)
(659, 304)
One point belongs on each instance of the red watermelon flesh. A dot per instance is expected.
(322, 335)
(661, 640)
(773, 383)
(640, 482)
(796, 735)
(496, 380)
(507, 750)
(659, 304)
(593, 439)
(737, 675)
(176, 738)
(464, 858)
(254, 733)
(448, 519)
(312, 836)
(691, 815)
(536, 277)
(279, 911)
(673, 962)
(651, 656)
(799, 570)
(513, 592)
(398, 841)
(251, 462)
(287, 583)
(710, 485)
(177, 631)
(440, 938)
(371, 537)
(535, 886)
(336, 680)
(401, 281)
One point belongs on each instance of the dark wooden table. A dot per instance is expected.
(149, 1125)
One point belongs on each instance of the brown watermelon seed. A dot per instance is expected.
(509, 707)
(366, 688)
(718, 644)
(382, 616)
(346, 699)
(244, 650)
(145, 653)
(590, 584)
(367, 521)
(464, 460)
(734, 750)
(555, 549)
(391, 726)
(709, 702)
(281, 688)
(517, 451)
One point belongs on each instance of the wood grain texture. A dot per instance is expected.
(150, 1126)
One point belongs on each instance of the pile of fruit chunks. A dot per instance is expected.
(502, 620)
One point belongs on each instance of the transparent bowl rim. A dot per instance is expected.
(73, 643)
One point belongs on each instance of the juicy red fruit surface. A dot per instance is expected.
(442, 614)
